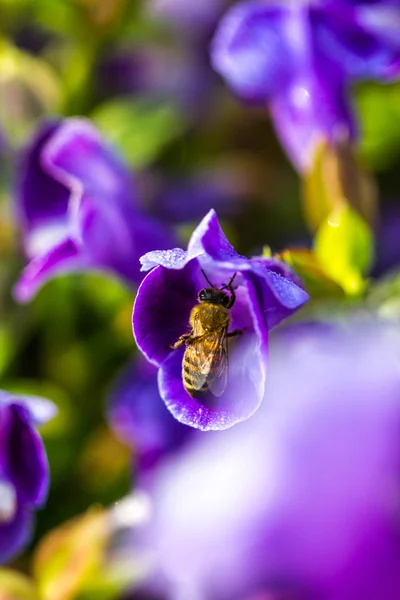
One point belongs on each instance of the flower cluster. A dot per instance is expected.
(301, 57)
(24, 473)
(267, 292)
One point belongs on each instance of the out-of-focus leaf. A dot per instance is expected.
(140, 128)
(306, 264)
(72, 562)
(70, 555)
(7, 347)
(103, 460)
(379, 109)
(29, 88)
(14, 586)
(384, 298)
(337, 179)
(344, 246)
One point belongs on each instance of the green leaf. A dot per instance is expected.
(337, 179)
(140, 128)
(344, 247)
(306, 264)
(379, 108)
(7, 347)
(14, 586)
(29, 88)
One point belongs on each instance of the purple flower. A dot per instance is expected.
(78, 208)
(138, 416)
(265, 294)
(302, 499)
(178, 75)
(300, 58)
(24, 472)
(197, 17)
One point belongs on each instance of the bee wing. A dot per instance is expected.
(211, 357)
(219, 370)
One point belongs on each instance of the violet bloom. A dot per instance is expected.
(301, 57)
(139, 418)
(199, 18)
(78, 208)
(266, 293)
(24, 472)
(303, 499)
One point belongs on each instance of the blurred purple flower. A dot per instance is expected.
(78, 210)
(197, 18)
(266, 294)
(224, 186)
(179, 75)
(24, 472)
(300, 58)
(387, 251)
(303, 499)
(138, 416)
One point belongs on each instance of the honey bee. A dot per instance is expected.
(205, 362)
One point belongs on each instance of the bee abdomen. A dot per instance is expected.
(189, 377)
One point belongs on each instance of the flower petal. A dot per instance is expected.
(162, 309)
(239, 401)
(311, 109)
(15, 534)
(25, 458)
(63, 258)
(139, 416)
(40, 409)
(364, 40)
(78, 157)
(250, 51)
(209, 239)
(42, 200)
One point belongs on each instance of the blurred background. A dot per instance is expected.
(140, 71)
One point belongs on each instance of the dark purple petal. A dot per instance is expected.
(365, 40)
(15, 534)
(249, 49)
(61, 259)
(162, 308)
(25, 461)
(140, 418)
(242, 397)
(42, 199)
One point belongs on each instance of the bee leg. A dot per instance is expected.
(235, 332)
(184, 339)
(229, 286)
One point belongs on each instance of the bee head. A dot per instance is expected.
(214, 296)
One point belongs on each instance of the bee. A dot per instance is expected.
(205, 362)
